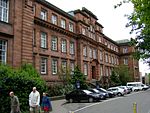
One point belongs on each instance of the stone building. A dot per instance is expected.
(37, 32)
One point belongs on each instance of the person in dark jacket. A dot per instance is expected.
(15, 106)
(46, 104)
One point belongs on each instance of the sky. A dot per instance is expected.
(113, 20)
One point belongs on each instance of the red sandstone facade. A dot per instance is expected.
(37, 32)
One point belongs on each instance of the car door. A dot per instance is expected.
(83, 96)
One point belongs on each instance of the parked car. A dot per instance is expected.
(101, 94)
(136, 86)
(117, 91)
(126, 89)
(144, 87)
(79, 95)
(109, 93)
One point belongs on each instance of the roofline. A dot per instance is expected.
(58, 10)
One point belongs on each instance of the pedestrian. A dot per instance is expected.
(34, 101)
(46, 104)
(15, 106)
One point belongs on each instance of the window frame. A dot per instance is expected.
(63, 23)
(4, 9)
(43, 39)
(45, 65)
(45, 13)
(54, 19)
(3, 51)
(72, 48)
(64, 46)
(54, 69)
(54, 45)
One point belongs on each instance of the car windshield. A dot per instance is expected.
(96, 90)
(87, 92)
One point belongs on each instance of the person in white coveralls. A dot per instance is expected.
(34, 101)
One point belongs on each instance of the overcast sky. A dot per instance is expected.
(113, 20)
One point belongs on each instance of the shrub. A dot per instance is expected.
(21, 82)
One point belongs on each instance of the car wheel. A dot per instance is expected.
(119, 94)
(70, 100)
(91, 99)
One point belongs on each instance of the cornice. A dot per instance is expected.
(49, 25)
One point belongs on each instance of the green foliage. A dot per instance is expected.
(64, 75)
(124, 74)
(78, 76)
(59, 89)
(21, 82)
(139, 21)
(114, 78)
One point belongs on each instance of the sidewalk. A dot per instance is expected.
(58, 106)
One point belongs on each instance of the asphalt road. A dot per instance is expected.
(114, 105)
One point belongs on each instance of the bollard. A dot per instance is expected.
(134, 107)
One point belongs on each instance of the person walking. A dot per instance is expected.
(34, 101)
(15, 106)
(46, 104)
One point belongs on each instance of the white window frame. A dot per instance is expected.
(64, 66)
(43, 40)
(54, 66)
(83, 31)
(63, 46)
(101, 55)
(125, 61)
(72, 67)
(85, 69)
(90, 53)
(94, 53)
(85, 51)
(63, 23)
(4, 10)
(72, 48)
(43, 14)
(54, 19)
(106, 58)
(54, 43)
(3, 51)
(125, 50)
(71, 27)
(43, 65)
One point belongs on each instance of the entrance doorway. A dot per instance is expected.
(93, 72)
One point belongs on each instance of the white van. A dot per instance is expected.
(136, 86)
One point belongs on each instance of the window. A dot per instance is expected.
(64, 66)
(94, 53)
(107, 71)
(125, 60)
(83, 31)
(85, 51)
(54, 43)
(72, 48)
(106, 57)
(43, 65)
(72, 67)
(85, 69)
(125, 50)
(54, 19)
(3, 51)
(54, 66)
(4, 8)
(112, 58)
(43, 14)
(64, 46)
(101, 70)
(90, 52)
(101, 55)
(63, 23)
(109, 59)
(43, 40)
(34, 37)
(71, 27)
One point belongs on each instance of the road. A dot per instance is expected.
(114, 105)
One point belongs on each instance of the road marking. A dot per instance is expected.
(94, 104)
(101, 103)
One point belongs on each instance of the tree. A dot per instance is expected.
(114, 79)
(139, 21)
(124, 74)
(79, 77)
